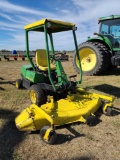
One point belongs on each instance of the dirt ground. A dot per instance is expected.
(74, 142)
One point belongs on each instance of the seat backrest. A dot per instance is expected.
(41, 59)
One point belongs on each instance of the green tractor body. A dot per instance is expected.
(31, 75)
(102, 52)
(43, 77)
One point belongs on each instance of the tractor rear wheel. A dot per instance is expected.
(107, 52)
(37, 95)
(94, 58)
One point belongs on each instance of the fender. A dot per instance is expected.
(104, 40)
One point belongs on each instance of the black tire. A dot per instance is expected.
(102, 58)
(112, 67)
(18, 84)
(108, 111)
(40, 97)
(52, 136)
(91, 121)
(23, 58)
(15, 59)
(109, 65)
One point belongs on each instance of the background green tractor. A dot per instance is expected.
(101, 53)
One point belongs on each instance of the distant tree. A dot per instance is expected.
(4, 50)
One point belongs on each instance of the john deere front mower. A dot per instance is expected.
(56, 98)
(101, 53)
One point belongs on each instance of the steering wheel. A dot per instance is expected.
(57, 56)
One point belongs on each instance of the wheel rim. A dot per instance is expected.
(33, 96)
(16, 84)
(107, 111)
(88, 59)
(51, 138)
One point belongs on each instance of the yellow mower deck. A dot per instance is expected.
(75, 108)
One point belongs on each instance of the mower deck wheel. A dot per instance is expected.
(18, 84)
(108, 111)
(91, 121)
(52, 135)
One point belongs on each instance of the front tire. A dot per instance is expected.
(37, 95)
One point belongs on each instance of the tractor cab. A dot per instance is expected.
(110, 28)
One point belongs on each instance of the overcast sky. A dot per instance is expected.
(15, 14)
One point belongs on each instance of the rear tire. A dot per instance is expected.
(94, 58)
(18, 84)
(37, 95)
(109, 56)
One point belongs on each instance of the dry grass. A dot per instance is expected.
(74, 142)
